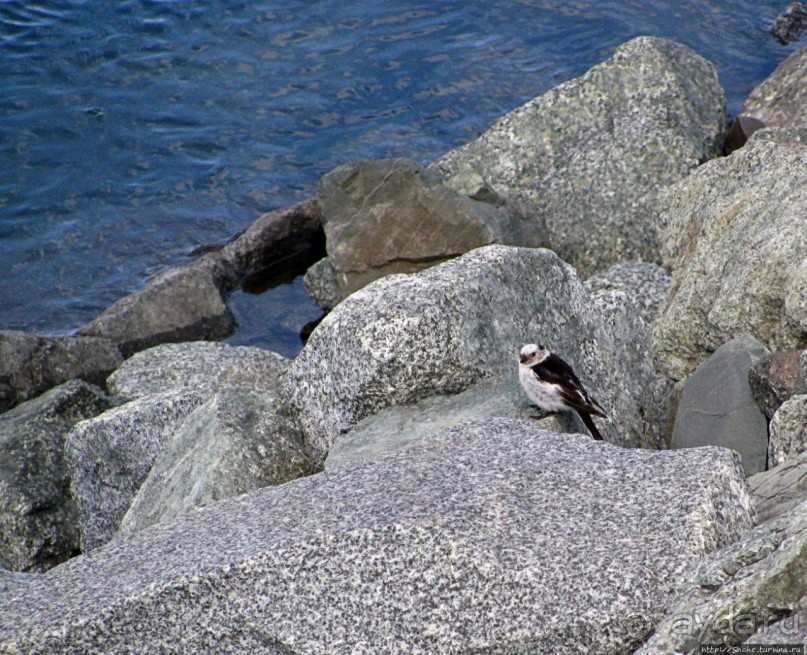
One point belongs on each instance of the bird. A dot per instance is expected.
(552, 385)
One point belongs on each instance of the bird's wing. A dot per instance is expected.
(555, 371)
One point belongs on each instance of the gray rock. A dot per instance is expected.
(320, 283)
(200, 365)
(646, 284)
(790, 24)
(438, 332)
(30, 364)
(736, 591)
(790, 630)
(717, 408)
(278, 240)
(13, 581)
(590, 155)
(395, 427)
(781, 488)
(788, 431)
(181, 304)
(394, 216)
(734, 234)
(782, 135)
(109, 457)
(234, 443)
(471, 542)
(776, 378)
(38, 518)
(781, 100)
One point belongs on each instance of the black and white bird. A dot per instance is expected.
(551, 384)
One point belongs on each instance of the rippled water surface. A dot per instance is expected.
(132, 132)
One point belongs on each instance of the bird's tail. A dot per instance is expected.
(589, 423)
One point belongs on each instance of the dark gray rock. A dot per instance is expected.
(780, 489)
(781, 100)
(38, 518)
(235, 443)
(280, 240)
(717, 409)
(647, 286)
(30, 364)
(590, 155)
(734, 234)
(791, 23)
(788, 431)
(734, 592)
(181, 304)
(394, 216)
(776, 378)
(408, 337)
(200, 365)
(493, 537)
(110, 456)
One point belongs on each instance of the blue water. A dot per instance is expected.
(133, 132)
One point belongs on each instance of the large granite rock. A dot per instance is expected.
(776, 378)
(394, 216)
(493, 537)
(502, 396)
(236, 442)
(30, 364)
(181, 304)
(781, 100)
(109, 457)
(734, 234)
(788, 431)
(646, 284)
(408, 337)
(201, 365)
(590, 155)
(717, 407)
(288, 238)
(734, 592)
(38, 518)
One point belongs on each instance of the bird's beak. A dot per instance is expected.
(523, 359)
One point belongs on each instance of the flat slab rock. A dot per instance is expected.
(492, 537)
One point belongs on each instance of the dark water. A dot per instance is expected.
(132, 132)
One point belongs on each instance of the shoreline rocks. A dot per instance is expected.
(407, 337)
(31, 364)
(590, 155)
(448, 519)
